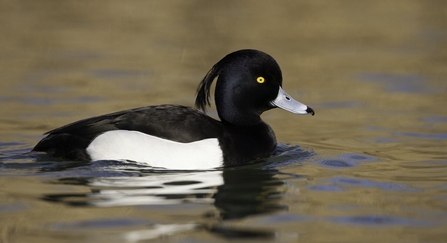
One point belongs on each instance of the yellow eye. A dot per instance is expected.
(260, 80)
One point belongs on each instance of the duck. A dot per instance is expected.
(248, 83)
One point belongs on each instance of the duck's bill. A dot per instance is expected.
(286, 102)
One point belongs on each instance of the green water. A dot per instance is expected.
(370, 166)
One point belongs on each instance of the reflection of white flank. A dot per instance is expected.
(158, 231)
(154, 189)
(149, 233)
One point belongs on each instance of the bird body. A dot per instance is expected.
(249, 82)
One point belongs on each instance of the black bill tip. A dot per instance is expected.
(310, 111)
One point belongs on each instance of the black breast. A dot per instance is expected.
(242, 144)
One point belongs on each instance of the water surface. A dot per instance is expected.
(370, 166)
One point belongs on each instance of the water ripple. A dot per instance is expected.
(388, 186)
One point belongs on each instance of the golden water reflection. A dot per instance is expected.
(374, 72)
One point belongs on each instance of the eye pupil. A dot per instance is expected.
(260, 80)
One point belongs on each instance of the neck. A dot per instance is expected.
(239, 117)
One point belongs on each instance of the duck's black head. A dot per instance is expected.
(248, 83)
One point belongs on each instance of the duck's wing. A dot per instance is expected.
(173, 122)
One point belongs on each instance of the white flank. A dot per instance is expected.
(155, 151)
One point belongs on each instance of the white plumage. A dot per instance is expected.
(155, 151)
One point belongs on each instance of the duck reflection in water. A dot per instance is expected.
(235, 192)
